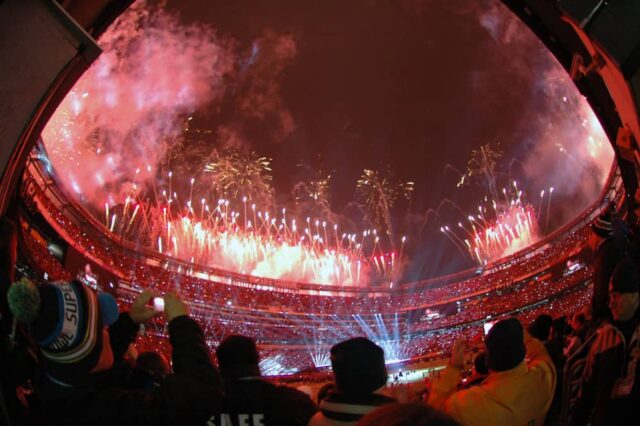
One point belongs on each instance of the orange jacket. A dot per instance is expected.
(517, 397)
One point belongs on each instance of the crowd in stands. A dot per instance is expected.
(74, 355)
(199, 290)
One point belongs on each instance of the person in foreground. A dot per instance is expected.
(413, 414)
(518, 390)
(360, 376)
(249, 400)
(82, 339)
(610, 385)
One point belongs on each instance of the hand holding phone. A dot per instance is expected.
(141, 308)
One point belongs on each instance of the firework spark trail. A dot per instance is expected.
(273, 249)
(546, 223)
(514, 227)
(539, 205)
(454, 239)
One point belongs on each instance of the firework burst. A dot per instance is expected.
(243, 238)
(233, 174)
(499, 228)
(379, 191)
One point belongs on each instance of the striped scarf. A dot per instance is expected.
(351, 408)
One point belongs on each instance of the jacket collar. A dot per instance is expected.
(349, 407)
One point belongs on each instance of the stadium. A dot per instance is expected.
(226, 261)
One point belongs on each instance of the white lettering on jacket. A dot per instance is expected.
(243, 420)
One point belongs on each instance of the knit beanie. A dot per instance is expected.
(358, 366)
(66, 322)
(541, 326)
(625, 277)
(238, 357)
(505, 345)
(603, 225)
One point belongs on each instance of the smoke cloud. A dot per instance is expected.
(561, 143)
(256, 93)
(113, 129)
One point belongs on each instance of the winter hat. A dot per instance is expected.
(358, 366)
(625, 277)
(505, 345)
(238, 357)
(541, 326)
(66, 322)
(603, 225)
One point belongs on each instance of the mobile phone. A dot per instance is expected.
(158, 304)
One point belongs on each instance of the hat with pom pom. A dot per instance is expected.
(66, 320)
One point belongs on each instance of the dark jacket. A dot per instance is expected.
(183, 398)
(611, 359)
(253, 401)
(607, 255)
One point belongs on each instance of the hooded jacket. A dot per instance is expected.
(517, 397)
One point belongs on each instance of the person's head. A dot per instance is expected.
(600, 229)
(358, 366)
(153, 364)
(414, 414)
(624, 288)
(238, 357)
(8, 248)
(324, 390)
(541, 326)
(504, 345)
(558, 329)
(479, 364)
(578, 321)
(69, 323)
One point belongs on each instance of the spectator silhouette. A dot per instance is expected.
(578, 333)
(18, 363)
(516, 392)
(610, 386)
(360, 375)
(415, 414)
(608, 244)
(150, 370)
(250, 400)
(82, 340)
(540, 328)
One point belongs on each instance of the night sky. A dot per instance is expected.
(414, 85)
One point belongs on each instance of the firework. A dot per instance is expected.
(482, 167)
(514, 226)
(313, 194)
(379, 191)
(248, 240)
(233, 174)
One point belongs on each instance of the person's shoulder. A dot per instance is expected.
(320, 419)
(291, 393)
(465, 403)
(607, 337)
